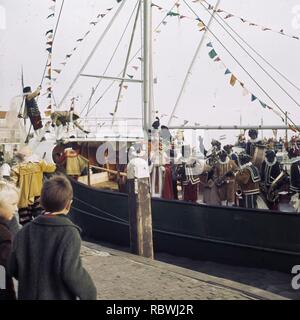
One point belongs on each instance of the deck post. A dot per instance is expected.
(139, 205)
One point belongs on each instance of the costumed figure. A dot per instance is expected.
(231, 154)
(225, 179)
(295, 178)
(75, 163)
(170, 174)
(248, 179)
(191, 170)
(28, 176)
(60, 119)
(255, 148)
(270, 170)
(157, 161)
(31, 109)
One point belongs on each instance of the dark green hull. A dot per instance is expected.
(246, 237)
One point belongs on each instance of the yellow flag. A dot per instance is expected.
(233, 80)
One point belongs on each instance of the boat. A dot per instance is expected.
(231, 235)
(246, 237)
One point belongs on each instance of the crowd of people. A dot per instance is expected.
(43, 255)
(252, 177)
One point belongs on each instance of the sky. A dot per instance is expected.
(208, 98)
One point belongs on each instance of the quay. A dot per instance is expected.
(120, 275)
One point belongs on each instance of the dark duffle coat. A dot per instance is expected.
(46, 261)
(5, 247)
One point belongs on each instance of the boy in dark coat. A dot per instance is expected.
(46, 252)
(9, 197)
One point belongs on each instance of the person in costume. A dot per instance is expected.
(28, 177)
(225, 178)
(248, 179)
(60, 119)
(31, 109)
(269, 172)
(295, 178)
(251, 143)
(231, 154)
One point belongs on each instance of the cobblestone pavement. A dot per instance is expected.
(271, 281)
(119, 275)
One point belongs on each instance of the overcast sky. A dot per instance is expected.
(208, 98)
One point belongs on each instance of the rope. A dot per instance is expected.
(247, 52)
(256, 52)
(134, 56)
(56, 27)
(111, 59)
(246, 71)
(127, 60)
(100, 210)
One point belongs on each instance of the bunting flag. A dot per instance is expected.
(173, 14)
(93, 22)
(253, 97)
(233, 80)
(228, 15)
(49, 45)
(212, 53)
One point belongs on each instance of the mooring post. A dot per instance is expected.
(139, 204)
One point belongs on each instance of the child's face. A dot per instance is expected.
(8, 209)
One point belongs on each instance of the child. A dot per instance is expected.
(46, 252)
(9, 198)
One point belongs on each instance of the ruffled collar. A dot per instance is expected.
(270, 164)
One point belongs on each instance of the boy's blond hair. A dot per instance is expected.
(6, 190)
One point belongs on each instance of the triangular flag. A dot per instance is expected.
(233, 80)
(227, 71)
(245, 92)
(63, 63)
(57, 70)
(49, 50)
(209, 45)
(125, 87)
(130, 76)
(172, 14)
(229, 16)
(212, 54)
(135, 68)
(262, 104)
(49, 31)
(164, 23)
(253, 97)
(49, 96)
(217, 59)
(50, 16)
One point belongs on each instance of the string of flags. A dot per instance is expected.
(228, 15)
(101, 15)
(233, 81)
(49, 46)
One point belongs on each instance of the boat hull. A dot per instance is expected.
(237, 236)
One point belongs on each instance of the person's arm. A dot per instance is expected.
(34, 94)
(73, 274)
(47, 167)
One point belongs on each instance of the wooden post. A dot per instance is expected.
(89, 174)
(139, 204)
